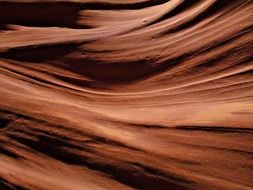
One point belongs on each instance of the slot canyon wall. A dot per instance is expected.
(126, 94)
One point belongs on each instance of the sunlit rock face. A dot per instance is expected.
(126, 94)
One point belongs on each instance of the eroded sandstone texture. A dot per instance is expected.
(126, 94)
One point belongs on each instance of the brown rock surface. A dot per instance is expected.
(126, 94)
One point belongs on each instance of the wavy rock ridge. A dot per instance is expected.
(126, 94)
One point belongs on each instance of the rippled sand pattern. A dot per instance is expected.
(126, 94)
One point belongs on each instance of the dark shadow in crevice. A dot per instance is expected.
(215, 129)
(8, 153)
(40, 14)
(4, 122)
(39, 54)
(57, 14)
(5, 185)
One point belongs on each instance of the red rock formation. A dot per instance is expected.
(126, 94)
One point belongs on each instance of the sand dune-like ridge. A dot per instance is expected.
(126, 94)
